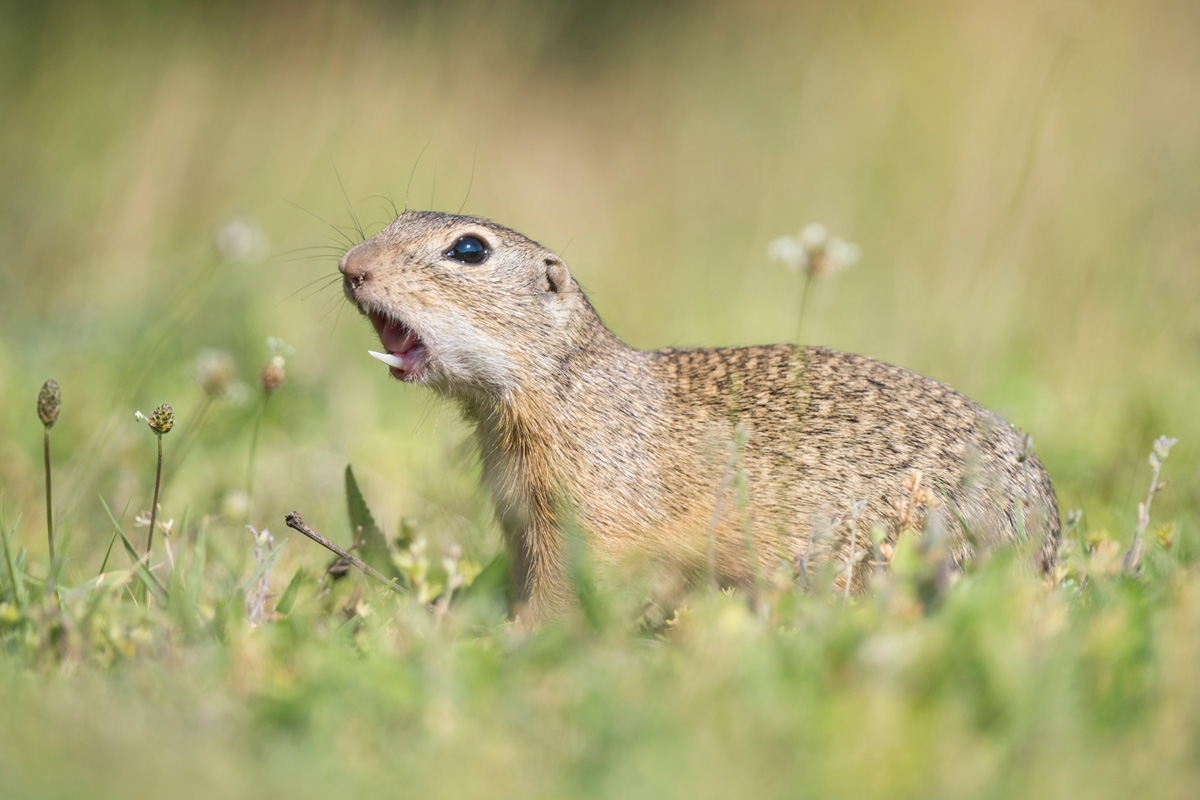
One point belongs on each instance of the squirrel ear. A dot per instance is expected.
(557, 278)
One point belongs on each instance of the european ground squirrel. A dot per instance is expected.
(638, 448)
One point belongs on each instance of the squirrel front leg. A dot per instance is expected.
(540, 586)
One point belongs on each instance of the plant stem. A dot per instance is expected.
(742, 497)
(1133, 556)
(154, 504)
(49, 512)
(804, 293)
(856, 510)
(262, 412)
(850, 560)
(726, 485)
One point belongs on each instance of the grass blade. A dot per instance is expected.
(144, 575)
(113, 539)
(195, 572)
(288, 598)
(13, 573)
(262, 568)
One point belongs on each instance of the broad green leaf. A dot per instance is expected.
(374, 548)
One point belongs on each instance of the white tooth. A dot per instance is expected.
(389, 359)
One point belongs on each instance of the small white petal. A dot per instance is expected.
(389, 359)
(842, 253)
(788, 250)
(813, 236)
(278, 347)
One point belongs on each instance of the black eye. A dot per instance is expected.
(468, 250)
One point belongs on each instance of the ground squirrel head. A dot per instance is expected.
(462, 304)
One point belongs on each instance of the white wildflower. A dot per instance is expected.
(814, 251)
(142, 520)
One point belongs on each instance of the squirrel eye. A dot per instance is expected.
(468, 250)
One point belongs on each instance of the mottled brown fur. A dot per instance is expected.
(635, 446)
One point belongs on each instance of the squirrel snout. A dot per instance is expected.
(356, 263)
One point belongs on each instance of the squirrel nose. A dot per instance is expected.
(356, 263)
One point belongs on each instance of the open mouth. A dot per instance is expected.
(406, 354)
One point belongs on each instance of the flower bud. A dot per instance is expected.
(215, 372)
(49, 403)
(271, 377)
(162, 420)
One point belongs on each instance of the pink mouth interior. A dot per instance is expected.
(400, 341)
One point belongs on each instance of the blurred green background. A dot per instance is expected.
(1021, 177)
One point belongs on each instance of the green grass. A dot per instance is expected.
(1020, 179)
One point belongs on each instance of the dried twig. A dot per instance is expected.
(296, 522)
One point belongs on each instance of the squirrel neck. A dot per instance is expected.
(582, 372)
(597, 397)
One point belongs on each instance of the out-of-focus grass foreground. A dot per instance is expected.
(1020, 177)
